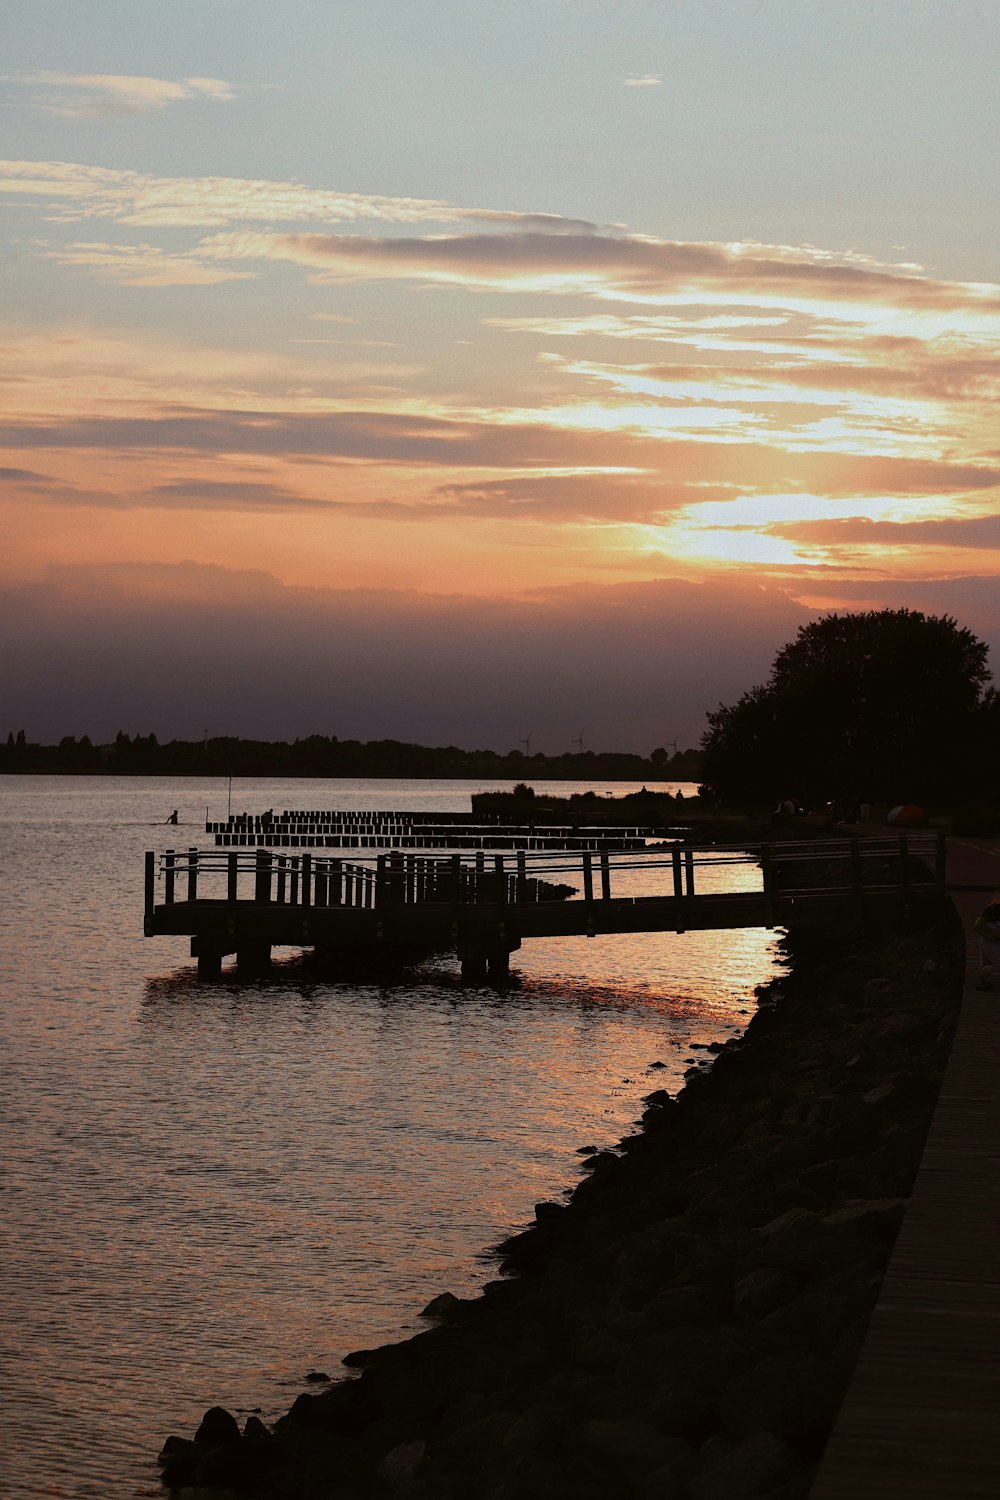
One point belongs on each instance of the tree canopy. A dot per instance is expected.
(884, 705)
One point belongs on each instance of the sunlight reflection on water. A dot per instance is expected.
(210, 1189)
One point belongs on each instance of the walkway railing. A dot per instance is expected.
(801, 869)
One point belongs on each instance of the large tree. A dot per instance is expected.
(883, 705)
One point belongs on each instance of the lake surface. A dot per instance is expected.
(209, 1190)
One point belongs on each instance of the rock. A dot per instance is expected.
(218, 1428)
(445, 1305)
(594, 1347)
(753, 1466)
(792, 1397)
(548, 1213)
(317, 1377)
(401, 1463)
(359, 1358)
(682, 1306)
(179, 1459)
(254, 1428)
(177, 1447)
(535, 1431)
(762, 1291)
(245, 1467)
(624, 1439)
(880, 1217)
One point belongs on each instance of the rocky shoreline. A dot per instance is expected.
(687, 1324)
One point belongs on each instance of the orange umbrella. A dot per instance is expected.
(907, 813)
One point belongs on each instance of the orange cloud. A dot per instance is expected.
(629, 266)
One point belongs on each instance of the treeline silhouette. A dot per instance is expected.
(323, 755)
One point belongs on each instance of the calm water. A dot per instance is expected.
(209, 1190)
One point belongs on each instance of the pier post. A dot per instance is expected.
(857, 878)
(149, 888)
(498, 964)
(398, 877)
(307, 880)
(209, 966)
(474, 963)
(678, 889)
(252, 956)
(262, 884)
(767, 880)
(605, 876)
(168, 877)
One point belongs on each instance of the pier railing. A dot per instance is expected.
(802, 870)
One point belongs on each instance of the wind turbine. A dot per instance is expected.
(526, 742)
(579, 741)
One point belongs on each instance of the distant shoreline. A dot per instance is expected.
(584, 778)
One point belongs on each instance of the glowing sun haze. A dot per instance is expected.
(447, 372)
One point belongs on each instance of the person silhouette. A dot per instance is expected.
(173, 817)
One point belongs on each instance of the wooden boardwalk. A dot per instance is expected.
(483, 907)
(921, 1420)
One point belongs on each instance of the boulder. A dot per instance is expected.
(218, 1427)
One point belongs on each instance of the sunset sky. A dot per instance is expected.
(455, 373)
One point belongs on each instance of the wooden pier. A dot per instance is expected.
(483, 907)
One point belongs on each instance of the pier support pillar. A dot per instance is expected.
(480, 962)
(474, 963)
(498, 964)
(209, 966)
(253, 957)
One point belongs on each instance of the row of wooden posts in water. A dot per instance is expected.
(418, 830)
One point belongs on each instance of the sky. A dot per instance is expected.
(455, 373)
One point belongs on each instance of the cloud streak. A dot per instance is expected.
(625, 266)
(98, 95)
(74, 192)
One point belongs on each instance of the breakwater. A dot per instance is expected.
(686, 1325)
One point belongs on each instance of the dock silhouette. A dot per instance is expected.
(483, 907)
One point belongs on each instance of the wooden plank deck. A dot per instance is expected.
(921, 1420)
